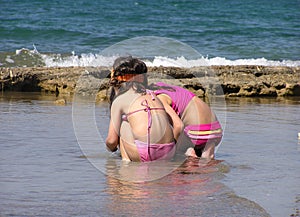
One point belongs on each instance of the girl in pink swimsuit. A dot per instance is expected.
(139, 124)
(200, 123)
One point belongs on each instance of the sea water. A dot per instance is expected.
(44, 171)
(74, 33)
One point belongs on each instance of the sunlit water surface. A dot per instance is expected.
(45, 173)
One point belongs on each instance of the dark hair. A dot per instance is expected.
(123, 66)
(129, 65)
(154, 87)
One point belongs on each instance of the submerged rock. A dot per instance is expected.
(60, 102)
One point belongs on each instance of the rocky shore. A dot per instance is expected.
(231, 81)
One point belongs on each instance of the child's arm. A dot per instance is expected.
(176, 121)
(112, 140)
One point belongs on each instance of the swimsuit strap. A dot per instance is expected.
(125, 116)
(151, 92)
(148, 110)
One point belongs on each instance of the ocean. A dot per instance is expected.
(75, 33)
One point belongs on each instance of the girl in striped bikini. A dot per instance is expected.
(200, 123)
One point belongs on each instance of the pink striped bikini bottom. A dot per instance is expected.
(203, 133)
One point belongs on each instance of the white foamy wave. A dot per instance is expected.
(259, 61)
(83, 60)
(182, 62)
(178, 62)
(95, 60)
(27, 51)
(218, 61)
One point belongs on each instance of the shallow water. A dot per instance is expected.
(262, 148)
(45, 173)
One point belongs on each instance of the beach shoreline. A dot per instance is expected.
(230, 81)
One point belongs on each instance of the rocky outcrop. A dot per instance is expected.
(56, 80)
(242, 81)
(260, 81)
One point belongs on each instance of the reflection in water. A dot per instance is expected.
(173, 189)
(260, 100)
(193, 189)
(296, 210)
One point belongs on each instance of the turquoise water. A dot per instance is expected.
(232, 30)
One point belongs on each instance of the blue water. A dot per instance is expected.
(230, 30)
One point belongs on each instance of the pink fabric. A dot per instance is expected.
(180, 97)
(206, 137)
(204, 127)
(151, 152)
(201, 140)
(148, 151)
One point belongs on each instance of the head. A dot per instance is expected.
(128, 72)
(128, 69)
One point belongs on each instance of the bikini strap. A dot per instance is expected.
(124, 116)
(148, 110)
(151, 92)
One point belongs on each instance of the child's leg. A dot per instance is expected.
(123, 152)
(127, 146)
(209, 151)
(190, 152)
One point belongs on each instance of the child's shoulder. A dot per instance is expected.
(125, 98)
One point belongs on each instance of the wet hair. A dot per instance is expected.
(126, 74)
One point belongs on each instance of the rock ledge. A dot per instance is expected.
(242, 81)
